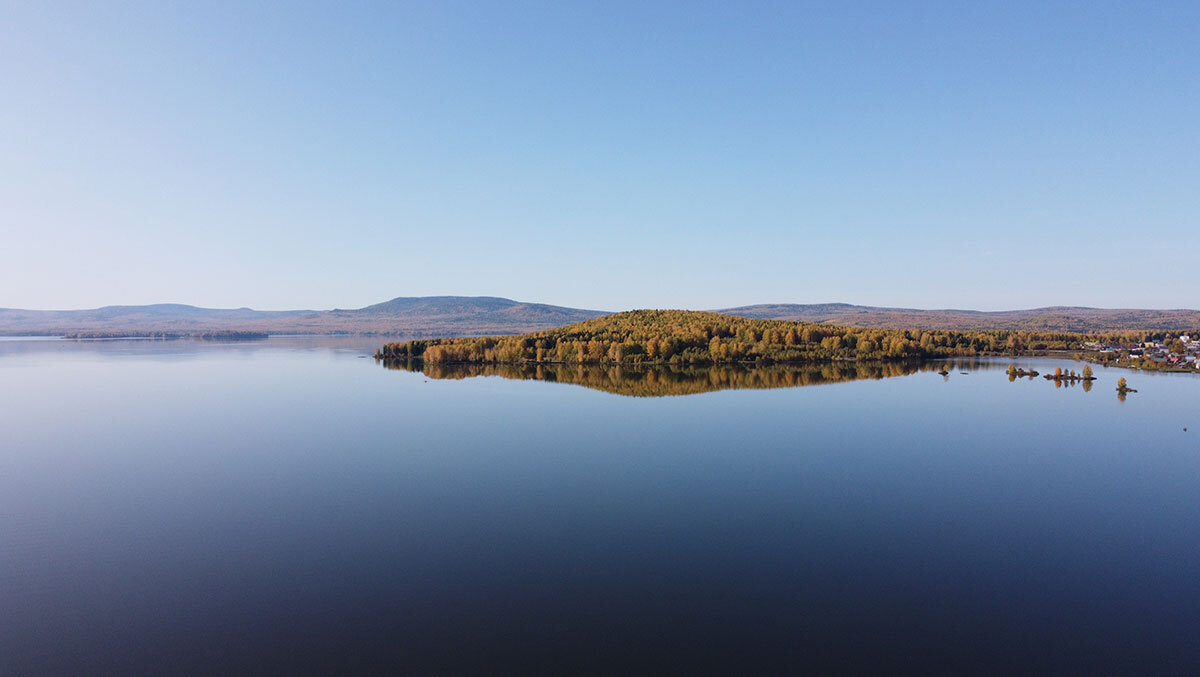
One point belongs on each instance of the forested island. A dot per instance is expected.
(702, 338)
(1071, 376)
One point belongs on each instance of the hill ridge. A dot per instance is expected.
(399, 316)
(450, 315)
(1049, 318)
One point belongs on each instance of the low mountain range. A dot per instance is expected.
(412, 317)
(434, 316)
(1053, 318)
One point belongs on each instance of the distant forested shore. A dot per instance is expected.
(697, 338)
(205, 335)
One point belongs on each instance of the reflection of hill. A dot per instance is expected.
(661, 381)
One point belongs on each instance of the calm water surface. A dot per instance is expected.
(288, 506)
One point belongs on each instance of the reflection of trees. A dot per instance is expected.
(664, 380)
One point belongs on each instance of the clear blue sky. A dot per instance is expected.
(606, 155)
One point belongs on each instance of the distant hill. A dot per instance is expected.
(1054, 318)
(411, 317)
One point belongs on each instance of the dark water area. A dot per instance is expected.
(291, 506)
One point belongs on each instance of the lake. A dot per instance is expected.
(290, 505)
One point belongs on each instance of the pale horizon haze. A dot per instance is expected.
(600, 155)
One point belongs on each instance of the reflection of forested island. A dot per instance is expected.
(696, 338)
(665, 380)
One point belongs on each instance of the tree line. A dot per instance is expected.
(690, 337)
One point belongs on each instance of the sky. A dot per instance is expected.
(607, 155)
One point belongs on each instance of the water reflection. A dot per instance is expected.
(40, 349)
(668, 380)
(302, 508)
(672, 380)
